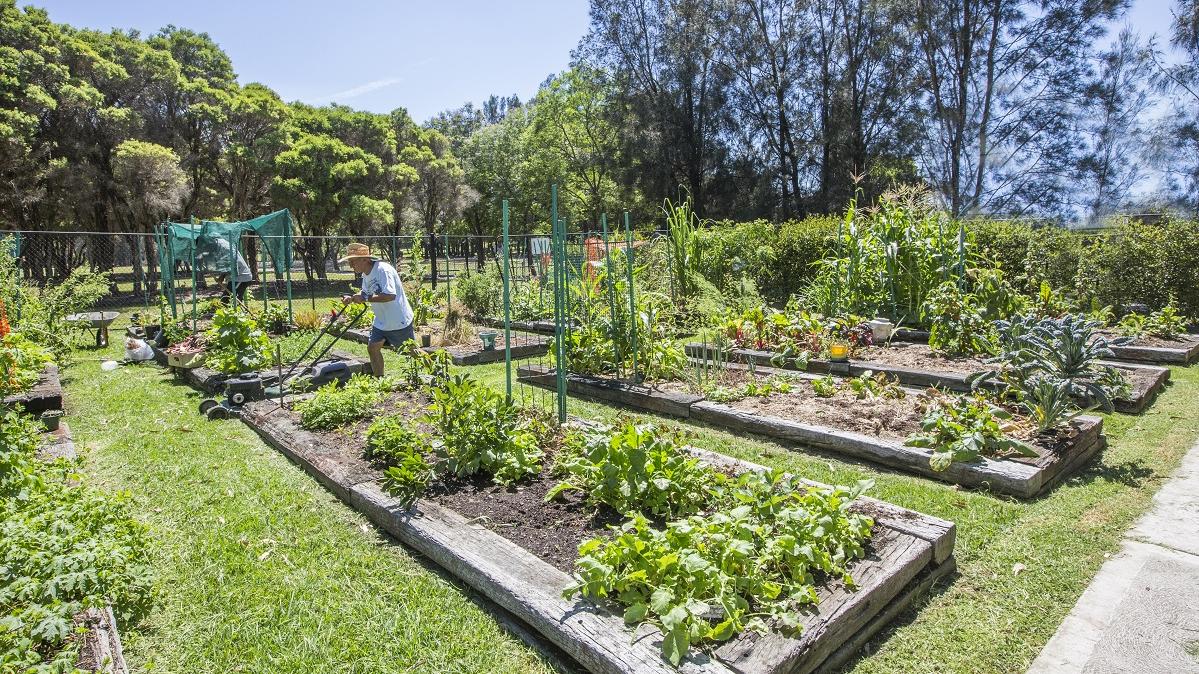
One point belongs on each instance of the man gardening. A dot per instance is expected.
(381, 287)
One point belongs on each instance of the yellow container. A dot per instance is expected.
(838, 351)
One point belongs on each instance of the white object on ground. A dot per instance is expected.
(109, 365)
(137, 351)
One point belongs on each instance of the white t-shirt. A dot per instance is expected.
(382, 279)
(243, 270)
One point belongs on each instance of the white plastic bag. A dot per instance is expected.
(137, 351)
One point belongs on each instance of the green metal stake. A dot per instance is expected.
(233, 272)
(611, 293)
(507, 310)
(262, 252)
(628, 235)
(171, 260)
(193, 265)
(448, 297)
(287, 257)
(559, 304)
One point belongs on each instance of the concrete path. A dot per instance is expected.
(1141, 612)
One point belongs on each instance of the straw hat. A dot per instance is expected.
(356, 250)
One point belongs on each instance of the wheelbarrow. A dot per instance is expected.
(96, 323)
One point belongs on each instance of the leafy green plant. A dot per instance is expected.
(1067, 350)
(333, 406)
(66, 547)
(274, 319)
(1166, 322)
(963, 428)
(686, 248)
(754, 387)
(995, 298)
(483, 431)
(1133, 325)
(825, 387)
(1050, 302)
(872, 385)
(21, 362)
(236, 344)
(481, 293)
(1049, 403)
(403, 450)
(957, 326)
(749, 565)
(635, 468)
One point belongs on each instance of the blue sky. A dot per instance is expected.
(425, 56)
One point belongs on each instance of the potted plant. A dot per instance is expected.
(50, 419)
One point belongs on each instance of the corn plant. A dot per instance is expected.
(685, 248)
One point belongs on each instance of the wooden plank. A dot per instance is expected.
(102, 644)
(531, 589)
(43, 396)
(610, 390)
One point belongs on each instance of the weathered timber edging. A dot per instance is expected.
(529, 347)
(542, 327)
(1185, 353)
(908, 551)
(1022, 478)
(1143, 394)
(43, 396)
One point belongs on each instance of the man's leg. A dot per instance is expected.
(375, 349)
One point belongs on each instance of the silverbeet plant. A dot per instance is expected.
(636, 468)
(480, 430)
(751, 564)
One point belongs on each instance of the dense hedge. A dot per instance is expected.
(1132, 262)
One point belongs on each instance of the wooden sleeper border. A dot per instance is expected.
(44, 396)
(908, 553)
(1024, 479)
(955, 381)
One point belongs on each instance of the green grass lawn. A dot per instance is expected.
(262, 570)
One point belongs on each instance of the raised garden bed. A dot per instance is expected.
(43, 396)
(516, 556)
(873, 432)
(472, 353)
(916, 365)
(1152, 350)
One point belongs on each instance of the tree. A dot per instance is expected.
(1116, 101)
(251, 138)
(1002, 77)
(571, 117)
(440, 193)
(150, 186)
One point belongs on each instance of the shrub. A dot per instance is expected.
(393, 442)
(482, 293)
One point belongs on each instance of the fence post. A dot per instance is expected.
(612, 328)
(193, 267)
(628, 235)
(171, 259)
(448, 298)
(262, 253)
(507, 272)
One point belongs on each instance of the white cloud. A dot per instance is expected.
(361, 89)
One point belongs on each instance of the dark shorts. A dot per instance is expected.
(393, 337)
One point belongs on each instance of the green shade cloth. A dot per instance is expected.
(213, 243)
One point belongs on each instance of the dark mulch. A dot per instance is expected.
(551, 530)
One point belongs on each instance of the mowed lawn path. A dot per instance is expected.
(261, 570)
